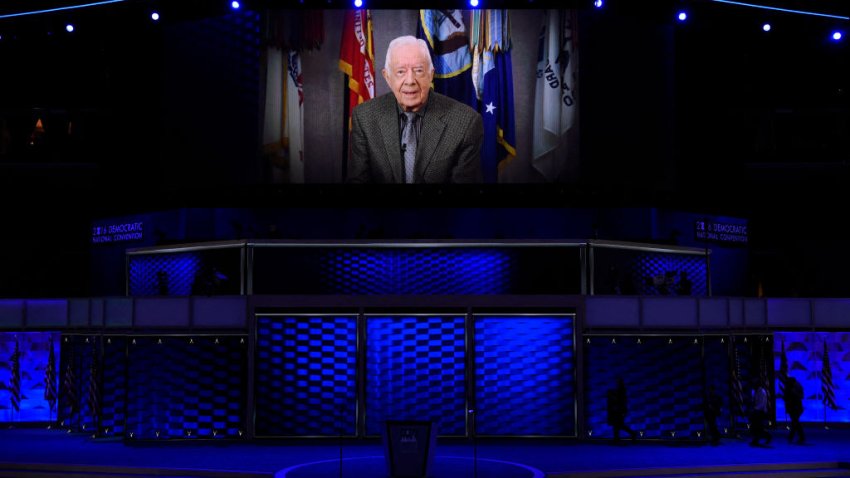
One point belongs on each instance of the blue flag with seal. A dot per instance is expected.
(493, 79)
(448, 41)
(497, 110)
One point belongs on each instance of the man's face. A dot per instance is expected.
(409, 77)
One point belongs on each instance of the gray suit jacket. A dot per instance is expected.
(449, 149)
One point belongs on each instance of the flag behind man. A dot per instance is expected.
(357, 57)
(495, 90)
(447, 37)
(556, 95)
(288, 34)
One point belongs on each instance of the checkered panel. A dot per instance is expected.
(417, 271)
(717, 368)
(431, 270)
(34, 353)
(79, 393)
(663, 377)
(114, 388)
(524, 376)
(163, 274)
(305, 376)
(752, 358)
(415, 371)
(804, 352)
(186, 387)
(628, 272)
(204, 272)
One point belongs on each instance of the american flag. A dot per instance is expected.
(783, 370)
(827, 387)
(94, 384)
(15, 383)
(737, 388)
(69, 385)
(50, 379)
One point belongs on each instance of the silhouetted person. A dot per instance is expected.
(208, 281)
(758, 416)
(162, 282)
(684, 286)
(711, 408)
(794, 407)
(617, 410)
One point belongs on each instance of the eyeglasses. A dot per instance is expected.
(418, 72)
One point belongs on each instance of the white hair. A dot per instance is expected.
(409, 40)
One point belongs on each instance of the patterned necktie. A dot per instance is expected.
(408, 141)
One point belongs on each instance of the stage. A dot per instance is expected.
(30, 452)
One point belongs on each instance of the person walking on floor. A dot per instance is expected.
(617, 410)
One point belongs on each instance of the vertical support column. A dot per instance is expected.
(252, 347)
(360, 381)
(471, 406)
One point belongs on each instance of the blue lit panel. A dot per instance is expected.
(416, 270)
(717, 375)
(415, 370)
(163, 274)
(114, 386)
(305, 376)
(629, 272)
(202, 272)
(663, 378)
(31, 366)
(752, 360)
(804, 352)
(79, 388)
(524, 376)
(186, 387)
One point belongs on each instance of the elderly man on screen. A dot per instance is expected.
(414, 135)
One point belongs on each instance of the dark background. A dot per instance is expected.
(711, 116)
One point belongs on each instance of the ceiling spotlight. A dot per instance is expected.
(358, 3)
(836, 35)
(597, 3)
(682, 16)
(69, 28)
(473, 3)
(766, 27)
(155, 16)
(234, 5)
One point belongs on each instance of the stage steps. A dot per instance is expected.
(46, 470)
(773, 470)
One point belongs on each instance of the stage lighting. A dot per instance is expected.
(597, 3)
(473, 3)
(155, 16)
(766, 27)
(234, 5)
(836, 35)
(69, 28)
(682, 16)
(358, 3)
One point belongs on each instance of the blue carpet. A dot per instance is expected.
(490, 458)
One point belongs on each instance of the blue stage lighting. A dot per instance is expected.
(766, 27)
(358, 3)
(682, 16)
(155, 16)
(836, 35)
(69, 28)
(234, 5)
(473, 3)
(597, 3)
